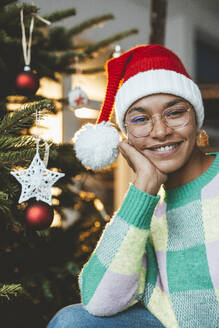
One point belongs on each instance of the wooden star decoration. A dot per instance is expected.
(36, 181)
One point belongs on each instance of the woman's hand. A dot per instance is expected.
(148, 177)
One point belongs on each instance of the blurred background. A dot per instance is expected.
(191, 30)
(41, 263)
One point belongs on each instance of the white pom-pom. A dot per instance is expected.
(96, 145)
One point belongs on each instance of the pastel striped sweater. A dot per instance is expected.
(162, 252)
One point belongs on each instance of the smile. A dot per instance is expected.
(165, 149)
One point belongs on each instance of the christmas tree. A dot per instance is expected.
(39, 267)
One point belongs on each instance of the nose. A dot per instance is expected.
(160, 130)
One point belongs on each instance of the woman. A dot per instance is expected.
(157, 262)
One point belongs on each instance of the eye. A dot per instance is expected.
(175, 112)
(139, 119)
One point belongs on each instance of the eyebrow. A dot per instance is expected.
(167, 105)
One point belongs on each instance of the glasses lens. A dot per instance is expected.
(176, 117)
(139, 125)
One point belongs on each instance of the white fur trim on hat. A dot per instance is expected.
(157, 81)
(96, 145)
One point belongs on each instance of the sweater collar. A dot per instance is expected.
(175, 194)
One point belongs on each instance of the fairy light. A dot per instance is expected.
(100, 207)
(55, 202)
(98, 204)
(86, 195)
(56, 191)
(57, 220)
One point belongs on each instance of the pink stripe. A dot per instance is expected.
(160, 209)
(144, 261)
(213, 261)
(211, 189)
(161, 261)
(113, 294)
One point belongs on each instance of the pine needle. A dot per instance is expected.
(8, 291)
(24, 118)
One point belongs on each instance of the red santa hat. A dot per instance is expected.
(139, 72)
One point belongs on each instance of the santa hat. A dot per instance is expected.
(139, 72)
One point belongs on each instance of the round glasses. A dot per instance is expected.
(141, 124)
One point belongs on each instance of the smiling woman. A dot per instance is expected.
(163, 129)
(156, 264)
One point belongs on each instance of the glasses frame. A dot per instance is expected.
(188, 109)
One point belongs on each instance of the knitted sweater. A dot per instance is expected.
(164, 252)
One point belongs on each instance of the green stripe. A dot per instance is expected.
(92, 274)
(138, 207)
(188, 270)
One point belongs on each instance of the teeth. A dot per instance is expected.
(165, 148)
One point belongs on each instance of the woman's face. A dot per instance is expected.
(167, 148)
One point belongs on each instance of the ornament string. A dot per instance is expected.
(42, 19)
(78, 71)
(46, 154)
(37, 137)
(27, 45)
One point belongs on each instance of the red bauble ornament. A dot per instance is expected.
(39, 215)
(27, 83)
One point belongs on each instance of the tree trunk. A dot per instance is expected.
(158, 21)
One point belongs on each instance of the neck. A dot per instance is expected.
(197, 164)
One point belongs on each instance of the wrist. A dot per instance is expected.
(146, 186)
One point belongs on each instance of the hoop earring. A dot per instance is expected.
(202, 139)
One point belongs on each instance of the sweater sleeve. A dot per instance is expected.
(114, 277)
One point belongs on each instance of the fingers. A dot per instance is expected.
(127, 149)
(134, 158)
(126, 153)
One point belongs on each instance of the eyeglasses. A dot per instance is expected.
(141, 125)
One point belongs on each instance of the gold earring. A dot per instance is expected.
(202, 139)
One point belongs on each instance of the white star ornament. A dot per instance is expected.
(36, 181)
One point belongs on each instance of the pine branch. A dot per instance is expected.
(5, 208)
(8, 291)
(104, 43)
(88, 24)
(4, 38)
(28, 9)
(68, 58)
(22, 157)
(88, 71)
(3, 196)
(12, 143)
(24, 118)
(7, 2)
(61, 14)
(11, 16)
(58, 39)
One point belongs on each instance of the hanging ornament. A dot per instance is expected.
(27, 82)
(77, 98)
(36, 181)
(39, 215)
